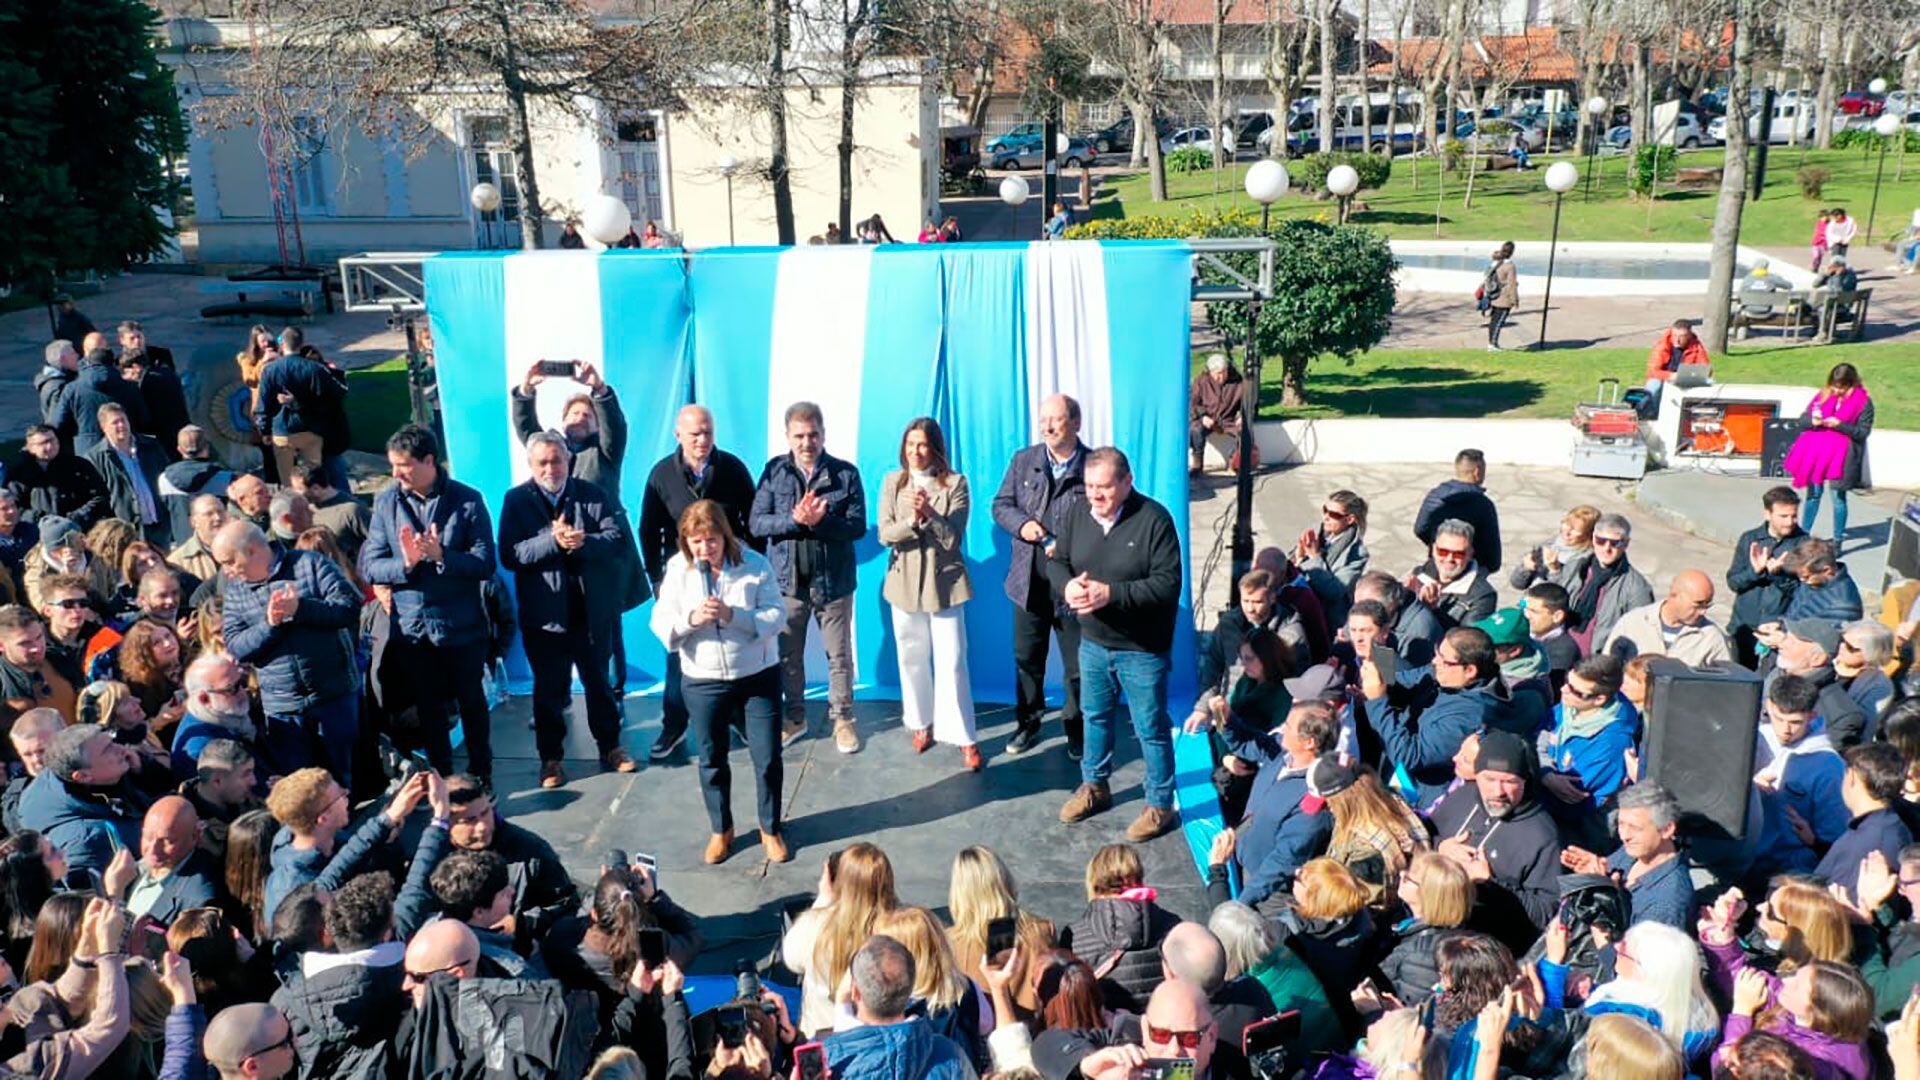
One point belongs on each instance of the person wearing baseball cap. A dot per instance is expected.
(1496, 829)
(1425, 715)
(1807, 648)
(1523, 665)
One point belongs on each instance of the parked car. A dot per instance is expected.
(1196, 138)
(1248, 128)
(1031, 154)
(1688, 134)
(1861, 103)
(1117, 137)
(1017, 136)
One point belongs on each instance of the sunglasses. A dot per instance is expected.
(1609, 542)
(1582, 695)
(265, 1050)
(72, 603)
(1332, 512)
(1188, 1040)
(1459, 554)
(422, 976)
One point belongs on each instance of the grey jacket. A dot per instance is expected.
(1331, 575)
(1630, 591)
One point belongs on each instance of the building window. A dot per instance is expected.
(306, 159)
(637, 155)
(491, 162)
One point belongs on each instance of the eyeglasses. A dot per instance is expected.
(1845, 644)
(1610, 541)
(72, 603)
(286, 1042)
(1447, 661)
(233, 687)
(1188, 1040)
(1459, 554)
(423, 976)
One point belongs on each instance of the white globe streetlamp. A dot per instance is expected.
(1877, 87)
(1596, 107)
(1266, 181)
(606, 219)
(1560, 179)
(1342, 182)
(1888, 127)
(485, 198)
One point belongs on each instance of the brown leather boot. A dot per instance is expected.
(776, 847)
(719, 846)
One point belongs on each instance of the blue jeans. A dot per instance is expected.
(1105, 675)
(1810, 509)
(322, 735)
(715, 705)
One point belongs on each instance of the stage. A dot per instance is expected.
(920, 808)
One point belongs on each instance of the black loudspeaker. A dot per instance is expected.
(1701, 724)
(1776, 438)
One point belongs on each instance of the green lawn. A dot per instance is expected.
(379, 403)
(1517, 204)
(1472, 383)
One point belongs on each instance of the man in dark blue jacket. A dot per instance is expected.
(97, 383)
(1875, 776)
(1827, 590)
(289, 617)
(1287, 821)
(1424, 717)
(1758, 575)
(1464, 497)
(81, 802)
(431, 541)
(810, 508)
(1042, 484)
(563, 540)
(301, 405)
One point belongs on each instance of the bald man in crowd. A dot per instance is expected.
(1192, 954)
(173, 875)
(250, 1042)
(249, 497)
(195, 554)
(1675, 627)
(442, 947)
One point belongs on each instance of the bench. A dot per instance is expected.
(1787, 310)
(1698, 179)
(279, 299)
(1845, 314)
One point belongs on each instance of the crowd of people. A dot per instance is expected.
(236, 839)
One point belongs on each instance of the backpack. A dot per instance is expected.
(1587, 901)
(1489, 288)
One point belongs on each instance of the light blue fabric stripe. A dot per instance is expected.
(646, 321)
(467, 311)
(732, 291)
(901, 381)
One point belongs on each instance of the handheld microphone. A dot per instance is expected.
(706, 576)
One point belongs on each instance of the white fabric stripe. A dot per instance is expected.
(553, 313)
(1067, 333)
(819, 342)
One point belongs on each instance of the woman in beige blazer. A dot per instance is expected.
(923, 515)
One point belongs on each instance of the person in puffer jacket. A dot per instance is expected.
(1119, 934)
(889, 1044)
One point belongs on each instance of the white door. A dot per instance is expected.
(637, 155)
(490, 161)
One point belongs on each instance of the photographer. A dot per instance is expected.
(752, 1037)
(653, 1020)
(597, 950)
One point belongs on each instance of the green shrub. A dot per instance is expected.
(1813, 179)
(1858, 138)
(1310, 173)
(1453, 155)
(1651, 163)
(1189, 159)
(1496, 127)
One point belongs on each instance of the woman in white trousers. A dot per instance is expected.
(923, 516)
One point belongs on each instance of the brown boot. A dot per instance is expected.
(1086, 802)
(719, 846)
(1152, 822)
(776, 847)
(552, 775)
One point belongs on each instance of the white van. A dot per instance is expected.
(1303, 127)
(1789, 113)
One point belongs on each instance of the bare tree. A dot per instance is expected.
(1327, 13)
(1288, 46)
(1728, 210)
(1128, 38)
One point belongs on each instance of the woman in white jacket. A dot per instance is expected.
(719, 607)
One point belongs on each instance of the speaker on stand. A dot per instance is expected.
(1701, 724)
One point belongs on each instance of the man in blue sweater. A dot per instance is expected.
(889, 1044)
(1871, 788)
(1287, 821)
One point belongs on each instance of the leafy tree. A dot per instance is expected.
(1333, 291)
(89, 119)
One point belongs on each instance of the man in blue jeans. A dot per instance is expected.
(1116, 563)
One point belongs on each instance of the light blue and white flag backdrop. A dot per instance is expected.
(973, 335)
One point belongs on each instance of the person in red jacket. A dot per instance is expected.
(1677, 345)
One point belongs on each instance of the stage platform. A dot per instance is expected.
(920, 808)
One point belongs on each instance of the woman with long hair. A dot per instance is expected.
(1656, 979)
(1122, 918)
(856, 888)
(1334, 555)
(31, 871)
(1375, 835)
(210, 635)
(923, 517)
(718, 606)
(1389, 1042)
(321, 539)
(249, 861)
(954, 1006)
(1831, 448)
(1825, 1008)
(1257, 701)
(1069, 994)
(153, 668)
(1438, 896)
(56, 932)
(597, 951)
(981, 889)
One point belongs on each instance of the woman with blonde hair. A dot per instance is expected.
(1392, 1048)
(1375, 834)
(923, 516)
(1121, 929)
(1334, 555)
(1545, 563)
(982, 889)
(1438, 896)
(856, 889)
(1330, 926)
(954, 1005)
(1656, 980)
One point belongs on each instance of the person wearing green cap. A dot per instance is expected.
(1593, 727)
(1523, 665)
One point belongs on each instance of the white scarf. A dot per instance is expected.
(1777, 754)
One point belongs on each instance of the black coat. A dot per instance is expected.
(1759, 597)
(1028, 492)
(1469, 503)
(668, 494)
(69, 487)
(79, 409)
(596, 461)
(167, 410)
(319, 393)
(1134, 930)
(554, 586)
(1139, 561)
(1523, 855)
(344, 1019)
(184, 481)
(122, 497)
(543, 892)
(1409, 965)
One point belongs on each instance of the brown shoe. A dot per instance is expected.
(1086, 802)
(618, 760)
(776, 847)
(845, 738)
(719, 846)
(792, 729)
(1152, 822)
(970, 757)
(922, 740)
(551, 775)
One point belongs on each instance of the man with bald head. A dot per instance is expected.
(696, 470)
(250, 498)
(250, 1042)
(1675, 627)
(1190, 953)
(1042, 484)
(1178, 1024)
(195, 554)
(174, 874)
(442, 947)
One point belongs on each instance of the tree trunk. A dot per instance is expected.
(1360, 70)
(849, 90)
(983, 71)
(1156, 168)
(521, 136)
(1641, 120)
(778, 168)
(1328, 56)
(1733, 193)
(1827, 103)
(1293, 381)
(1219, 122)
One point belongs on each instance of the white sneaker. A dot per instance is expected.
(1491, 347)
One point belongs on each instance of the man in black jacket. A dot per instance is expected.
(97, 383)
(135, 346)
(1043, 483)
(562, 539)
(301, 405)
(62, 363)
(131, 465)
(165, 398)
(1499, 833)
(1758, 575)
(1117, 565)
(194, 474)
(697, 470)
(51, 481)
(543, 893)
(1464, 497)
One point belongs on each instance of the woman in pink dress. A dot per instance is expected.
(1831, 450)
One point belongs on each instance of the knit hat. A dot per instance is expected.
(1822, 632)
(1503, 751)
(1320, 682)
(1328, 777)
(1506, 627)
(54, 530)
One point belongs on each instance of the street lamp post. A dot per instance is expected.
(1266, 182)
(485, 198)
(1342, 182)
(1560, 178)
(728, 166)
(1888, 126)
(1014, 192)
(1596, 105)
(606, 219)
